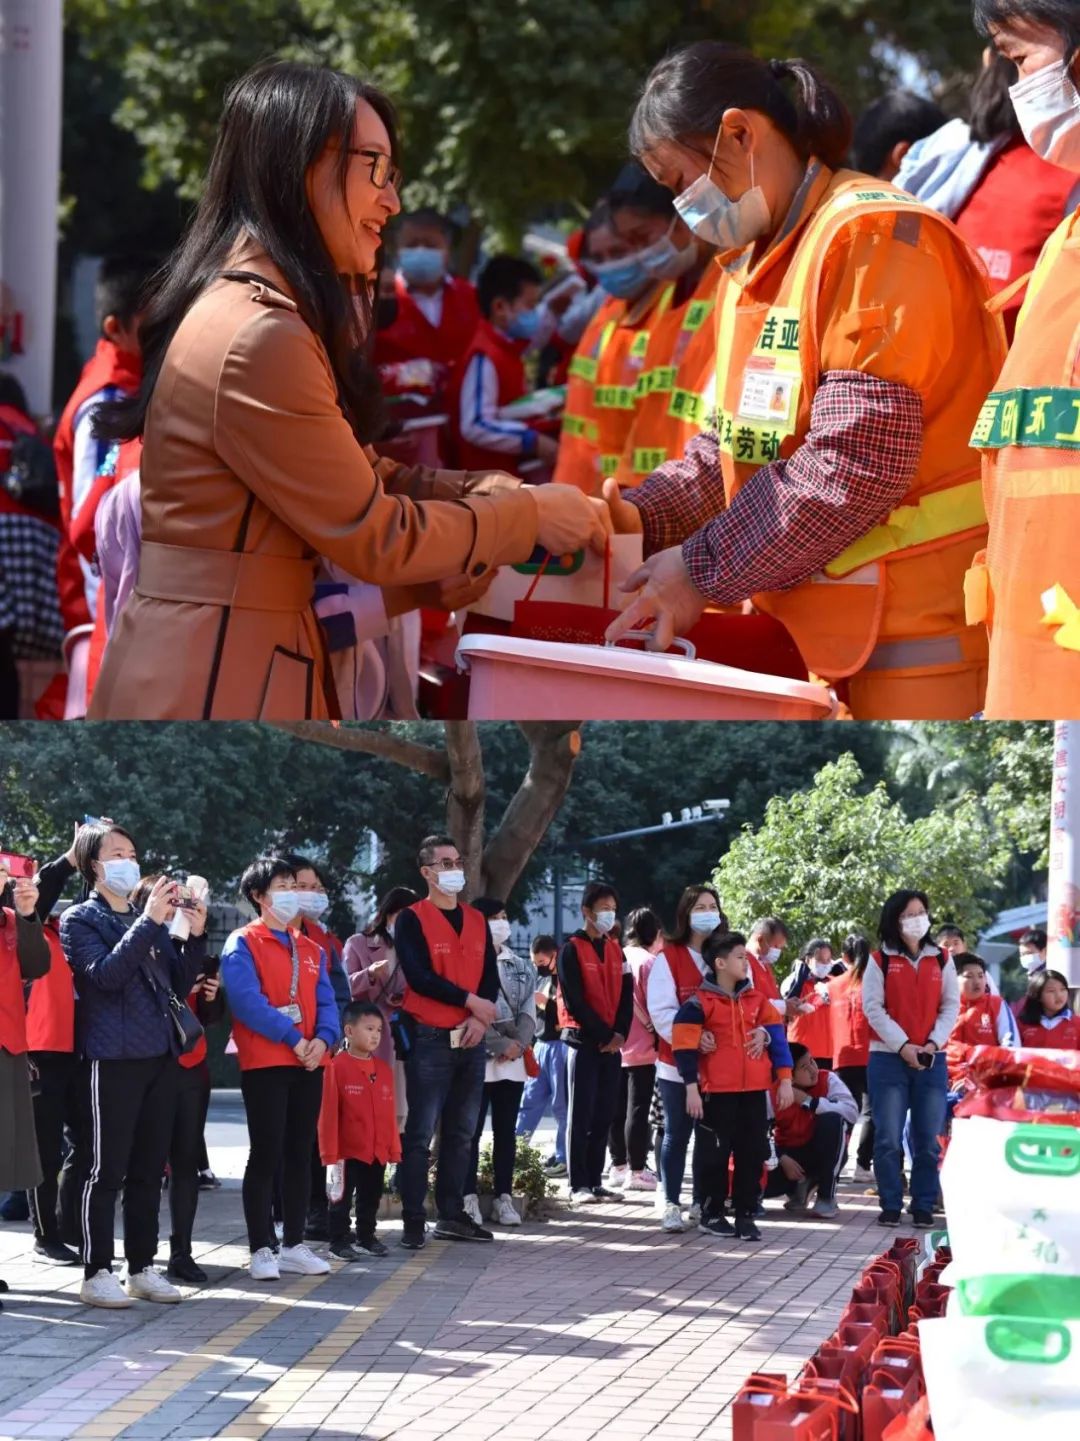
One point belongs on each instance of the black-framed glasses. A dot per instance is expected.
(383, 170)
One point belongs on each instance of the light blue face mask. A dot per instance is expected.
(664, 260)
(420, 265)
(524, 325)
(711, 215)
(624, 279)
(121, 877)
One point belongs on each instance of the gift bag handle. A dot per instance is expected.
(542, 568)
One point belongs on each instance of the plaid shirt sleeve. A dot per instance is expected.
(682, 496)
(794, 516)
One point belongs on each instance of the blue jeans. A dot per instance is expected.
(545, 1092)
(677, 1131)
(895, 1089)
(445, 1088)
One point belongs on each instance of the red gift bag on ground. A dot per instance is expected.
(757, 1394)
(813, 1411)
(884, 1399)
(915, 1426)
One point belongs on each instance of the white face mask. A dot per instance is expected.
(915, 927)
(285, 905)
(452, 882)
(771, 957)
(500, 932)
(727, 224)
(603, 921)
(704, 922)
(1048, 108)
(1031, 961)
(312, 903)
(821, 969)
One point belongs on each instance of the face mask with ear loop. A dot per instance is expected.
(1047, 106)
(715, 218)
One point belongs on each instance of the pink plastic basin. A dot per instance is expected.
(512, 679)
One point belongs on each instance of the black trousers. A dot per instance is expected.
(185, 1153)
(739, 1121)
(628, 1139)
(318, 1205)
(282, 1105)
(364, 1183)
(56, 1106)
(593, 1086)
(821, 1158)
(503, 1098)
(854, 1078)
(9, 677)
(125, 1124)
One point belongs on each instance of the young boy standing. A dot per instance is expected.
(727, 1087)
(358, 1130)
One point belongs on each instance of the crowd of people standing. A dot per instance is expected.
(676, 1040)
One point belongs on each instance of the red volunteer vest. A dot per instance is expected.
(687, 978)
(322, 937)
(358, 1120)
(456, 958)
(12, 1006)
(413, 337)
(50, 1012)
(849, 1026)
(505, 354)
(273, 964)
(762, 978)
(813, 1031)
(1065, 1036)
(601, 979)
(795, 1125)
(912, 993)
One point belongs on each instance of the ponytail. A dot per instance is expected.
(686, 95)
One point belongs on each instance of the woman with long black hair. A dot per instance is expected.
(257, 411)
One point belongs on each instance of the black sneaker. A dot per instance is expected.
(56, 1253)
(372, 1247)
(208, 1181)
(889, 1218)
(184, 1268)
(716, 1225)
(461, 1228)
(414, 1235)
(554, 1167)
(344, 1251)
(603, 1194)
(317, 1227)
(746, 1230)
(923, 1220)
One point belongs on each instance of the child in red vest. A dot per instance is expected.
(727, 1087)
(1046, 1020)
(358, 1131)
(984, 1020)
(811, 1136)
(493, 373)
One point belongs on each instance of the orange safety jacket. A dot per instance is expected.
(1025, 585)
(456, 958)
(902, 581)
(576, 463)
(619, 368)
(673, 388)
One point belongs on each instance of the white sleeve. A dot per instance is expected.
(873, 1004)
(949, 1008)
(1008, 1032)
(479, 411)
(839, 1099)
(662, 997)
(89, 453)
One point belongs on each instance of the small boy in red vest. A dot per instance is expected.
(984, 1019)
(493, 374)
(358, 1131)
(811, 1136)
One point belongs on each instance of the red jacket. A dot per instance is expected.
(1065, 1036)
(602, 982)
(849, 1026)
(273, 964)
(413, 337)
(506, 356)
(50, 1012)
(795, 1124)
(731, 1019)
(687, 978)
(912, 993)
(358, 1120)
(12, 1005)
(457, 958)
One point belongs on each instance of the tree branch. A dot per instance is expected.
(466, 803)
(382, 743)
(553, 748)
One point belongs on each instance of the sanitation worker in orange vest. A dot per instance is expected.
(808, 987)
(452, 981)
(1025, 585)
(911, 999)
(836, 489)
(811, 1136)
(984, 1019)
(285, 1020)
(595, 1008)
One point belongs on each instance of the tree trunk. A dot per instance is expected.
(554, 746)
(465, 803)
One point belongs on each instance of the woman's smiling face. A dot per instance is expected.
(352, 224)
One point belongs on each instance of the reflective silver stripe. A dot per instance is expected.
(911, 654)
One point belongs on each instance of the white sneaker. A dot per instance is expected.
(103, 1289)
(505, 1212)
(694, 1214)
(150, 1285)
(862, 1174)
(303, 1261)
(264, 1265)
(583, 1198)
(640, 1181)
(673, 1220)
(472, 1209)
(617, 1176)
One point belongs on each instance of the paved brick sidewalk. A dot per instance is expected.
(593, 1324)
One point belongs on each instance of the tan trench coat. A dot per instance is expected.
(250, 473)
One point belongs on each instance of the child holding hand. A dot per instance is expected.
(358, 1131)
(726, 1087)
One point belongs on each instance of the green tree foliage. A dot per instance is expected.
(827, 857)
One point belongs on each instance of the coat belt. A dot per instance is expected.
(220, 577)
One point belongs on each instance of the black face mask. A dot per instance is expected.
(386, 312)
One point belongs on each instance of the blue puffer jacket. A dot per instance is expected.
(119, 1016)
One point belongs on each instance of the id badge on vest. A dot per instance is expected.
(293, 1011)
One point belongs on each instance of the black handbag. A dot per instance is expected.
(188, 1027)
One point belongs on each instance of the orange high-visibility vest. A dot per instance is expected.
(576, 463)
(621, 363)
(903, 580)
(1025, 585)
(673, 388)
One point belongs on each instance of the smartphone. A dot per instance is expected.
(18, 867)
(211, 966)
(926, 1059)
(185, 897)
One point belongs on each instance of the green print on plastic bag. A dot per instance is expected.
(1038, 1151)
(1023, 1339)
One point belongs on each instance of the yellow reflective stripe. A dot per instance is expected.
(688, 405)
(1059, 609)
(646, 460)
(609, 464)
(934, 517)
(640, 345)
(1051, 252)
(656, 381)
(615, 397)
(749, 442)
(583, 367)
(580, 428)
(697, 312)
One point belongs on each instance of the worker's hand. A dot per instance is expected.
(315, 1052)
(694, 1109)
(667, 596)
(473, 1034)
(785, 1096)
(756, 1042)
(25, 896)
(707, 1044)
(909, 1054)
(625, 517)
(481, 1010)
(568, 521)
(791, 1169)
